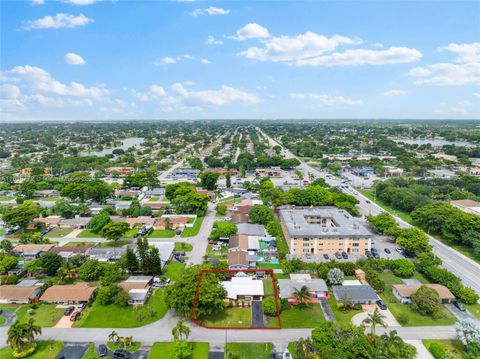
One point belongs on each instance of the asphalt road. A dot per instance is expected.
(463, 267)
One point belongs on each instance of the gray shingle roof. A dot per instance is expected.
(354, 292)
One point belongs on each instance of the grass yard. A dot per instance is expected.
(291, 349)
(46, 315)
(164, 350)
(2, 320)
(173, 270)
(90, 353)
(2, 232)
(59, 232)
(399, 310)
(221, 255)
(45, 350)
(249, 350)
(454, 347)
(86, 233)
(111, 244)
(114, 316)
(342, 317)
(78, 244)
(154, 199)
(268, 286)
(9, 307)
(162, 233)
(6, 199)
(474, 309)
(132, 349)
(229, 318)
(302, 317)
(193, 231)
(263, 265)
(182, 246)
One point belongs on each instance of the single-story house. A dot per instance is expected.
(50, 221)
(155, 192)
(243, 288)
(96, 208)
(70, 293)
(138, 297)
(238, 260)
(127, 193)
(357, 294)
(31, 251)
(209, 194)
(82, 250)
(404, 292)
(239, 218)
(122, 171)
(165, 250)
(133, 221)
(46, 193)
(172, 222)
(251, 229)
(19, 294)
(75, 223)
(107, 254)
(156, 205)
(316, 287)
(138, 289)
(238, 242)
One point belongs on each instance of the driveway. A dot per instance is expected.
(9, 318)
(389, 318)
(327, 310)
(257, 314)
(73, 350)
(458, 313)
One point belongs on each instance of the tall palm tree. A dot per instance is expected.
(374, 319)
(31, 329)
(21, 335)
(302, 295)
(180, 330)
(113, 336)
(392, 341)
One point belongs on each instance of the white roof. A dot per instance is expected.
(164, 248)
(243, 286)
(300, 276)
(253, 242)
(351, 282)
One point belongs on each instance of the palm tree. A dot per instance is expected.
(374, 319)
(21, 335)
(392, 341)
(180, 330)
(113, 336)
(301, 295)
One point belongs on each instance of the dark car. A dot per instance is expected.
(74, 316)
(344, 255)
(459, 305)
(326, 256)
(69, 311)
(178, 232)
(121, 353)
(387, 251)
(102, 350)
(273, 355)
(375, 255)
(338, 255)
(381, 304)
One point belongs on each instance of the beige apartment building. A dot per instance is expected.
(323, 230)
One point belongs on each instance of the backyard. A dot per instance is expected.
(229, 318)
(45, 315)
(193, 231)
(114, 316)
(164, 350)
(45, 350)
(399, 310)
(249, 350)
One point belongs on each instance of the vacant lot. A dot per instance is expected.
(308, 316)
(249, 350)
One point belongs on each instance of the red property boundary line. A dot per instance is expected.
(192, 317)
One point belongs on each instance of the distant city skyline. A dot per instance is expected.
(117, 60)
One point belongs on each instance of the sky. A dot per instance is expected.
(179, 59)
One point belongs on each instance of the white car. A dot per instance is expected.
(399, 250)
(287, 355)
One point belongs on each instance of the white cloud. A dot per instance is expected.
(465, 68)
(251, 31)
(10, 98)
(59, 21)
(81, 2)
(211, 10)
(166, 61)
(395, 92)
(170, 60)
(477, 94)
(74, 59)
(222, 96)
(378, 44)
(212, 41)
(326, 100)
(37, 2)
(205, 61)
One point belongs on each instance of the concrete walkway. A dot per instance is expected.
(422, 352)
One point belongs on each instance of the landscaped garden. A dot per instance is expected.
(115, 316)
(249, 350)
(234, 317)
(165, 350)
(45, 315)
(193, 231)
(44, 350)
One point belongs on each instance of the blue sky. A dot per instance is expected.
(91, 60)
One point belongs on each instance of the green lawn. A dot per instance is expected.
(263, 265)
(342, 317)
(249, 350)
(78, 244)
(9, 307)
(182, 246)
(90, 353)
(5, 199)
(173, 270)
(59, 232)
(308, 316)
(46, 315)
(2, 320)
(291, 349)
(221, 255)
(46, 199)
(86, 233)
(154, 199)
(114, 316)
(398, 309)
(111, 244)
(454, 347)
(474, 309)
(229, 318)
(132, 349)
(164, 350)
(193, 231)
(162, 233)
(268, 286)
(45, 350)
(2, 232)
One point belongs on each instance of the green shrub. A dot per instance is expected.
(402, 318)
(437, 350)
(26, 352)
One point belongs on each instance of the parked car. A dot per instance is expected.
(338, 255)
(399, 250)
(121, 353)
(375, 255)
(368, 254)
(367, 201)
(102, 350)
(142, 356)
(273, 355)
(74, 316)
(326, 256)
(287, 355)
(459, 305)
(381, 304)
(69, 310)
(344, 255)
(387, 251)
